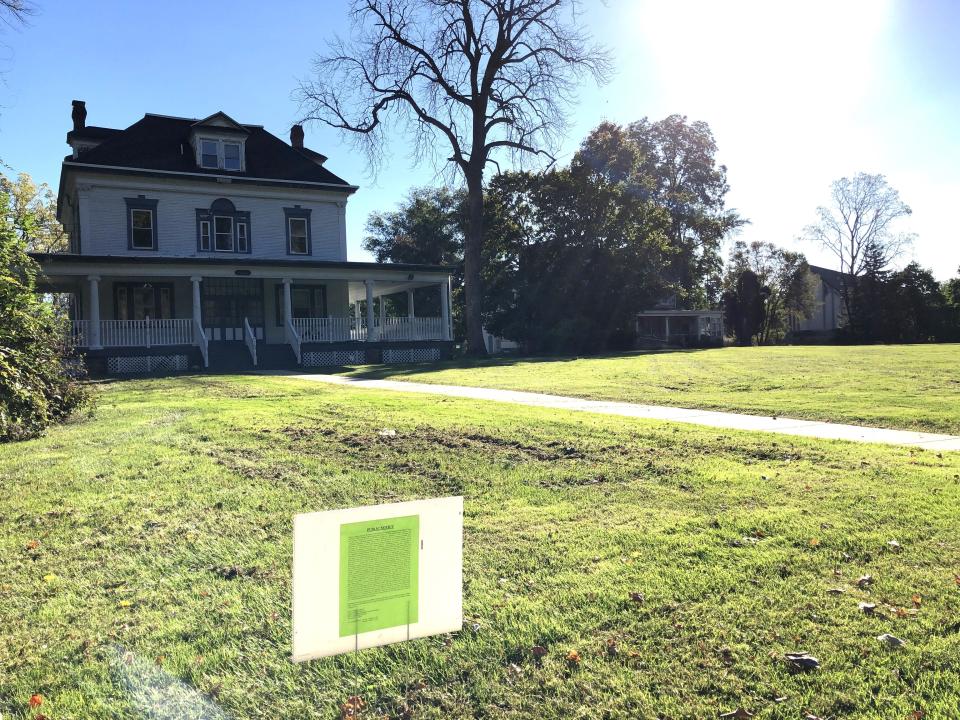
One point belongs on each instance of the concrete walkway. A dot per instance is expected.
(733, 421)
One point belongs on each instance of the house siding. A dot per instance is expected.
(103, 218)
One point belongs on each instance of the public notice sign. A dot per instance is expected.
(375, 575)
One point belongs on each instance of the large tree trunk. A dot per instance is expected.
(472, 283)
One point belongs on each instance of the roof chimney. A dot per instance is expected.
(296, 136)
(79, 114)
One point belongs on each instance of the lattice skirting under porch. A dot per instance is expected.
(133, 364)
(411, 355)
(333, 358)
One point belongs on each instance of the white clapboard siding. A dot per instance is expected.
(103, 219)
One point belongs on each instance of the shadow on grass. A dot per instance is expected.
(381, 372)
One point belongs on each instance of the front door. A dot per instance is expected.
(226, 302)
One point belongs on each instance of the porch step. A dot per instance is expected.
(229, 356)
(275, 357)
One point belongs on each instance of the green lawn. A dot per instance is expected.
(899, 386)
(152, 542)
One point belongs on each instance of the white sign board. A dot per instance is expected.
(376, 575)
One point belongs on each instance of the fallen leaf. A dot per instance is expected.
(612, 648)
(40, 716)
(894, 546)
(836, 591)
(124, 603)
(864, 580)
(33, 545)
(891, 640)
(867, 607)
(917, 600)
(352, 707)
(573, 658)
(49, 577)
(36, 700)
(814, 542)
(802, 660)
(738, 714)
(538, 651)
(636, 597)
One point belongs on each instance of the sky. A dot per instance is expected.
(798, 94)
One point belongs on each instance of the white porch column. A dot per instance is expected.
(666, 321)
(197, 314)
(410, 313)
(445, 309)
(94, 339)
(287, 301)
(383, 311)
(371, 326)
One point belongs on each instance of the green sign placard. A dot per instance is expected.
(379, 569)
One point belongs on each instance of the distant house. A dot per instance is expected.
(829, 314)
(665, 324)
(211, 243)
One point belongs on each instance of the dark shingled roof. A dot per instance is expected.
(831, 278)
(162, 143)
(91, 132)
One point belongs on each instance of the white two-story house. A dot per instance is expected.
(208, 243)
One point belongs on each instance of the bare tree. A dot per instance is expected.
(860, 224)
(16, 12)
(484, 76)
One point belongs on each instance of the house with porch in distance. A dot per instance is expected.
(215, 244)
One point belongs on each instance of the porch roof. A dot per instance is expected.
(680, 313)
(67, 259)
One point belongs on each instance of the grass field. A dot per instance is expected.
(914, 387)
(145, 561)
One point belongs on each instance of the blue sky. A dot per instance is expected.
(797, 94)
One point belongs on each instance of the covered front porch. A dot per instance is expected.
(249, 313)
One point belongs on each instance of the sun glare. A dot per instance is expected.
(776, 51)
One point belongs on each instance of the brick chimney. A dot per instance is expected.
(79, 114)
(296, 136)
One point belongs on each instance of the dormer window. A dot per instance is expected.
(218, 154)
(231, 156)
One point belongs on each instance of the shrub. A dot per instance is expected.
(40, 379)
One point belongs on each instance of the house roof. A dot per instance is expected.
(833, 279)
(91, 132)
(161, 144)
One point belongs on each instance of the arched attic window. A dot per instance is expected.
(222, 228)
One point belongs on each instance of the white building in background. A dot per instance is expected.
(829, 313)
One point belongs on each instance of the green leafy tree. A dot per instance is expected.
(38, 377)
(33, 213)
(743, 304)
(791, 289)
(427, 227)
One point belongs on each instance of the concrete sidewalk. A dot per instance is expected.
(709, 418)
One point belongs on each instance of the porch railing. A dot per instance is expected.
(293, 338)
(200, 340)
(331, 329)
(416, 328)
(344, 329)
(251, 340)
(134, 333)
